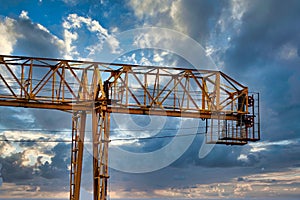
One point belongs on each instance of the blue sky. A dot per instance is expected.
(255, 42)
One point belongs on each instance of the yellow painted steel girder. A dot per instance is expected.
(97, 88)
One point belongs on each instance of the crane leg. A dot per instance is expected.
(101, 125)
(78, 133)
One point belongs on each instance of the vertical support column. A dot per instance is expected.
(258, 118)
(22, 81)
(78, 133)
(62, 82)
(30, 77)
(217, 89)
(126, 86)
(145, 90)
(53, 87)
(101, 125)
(175, 93)
(203, 91)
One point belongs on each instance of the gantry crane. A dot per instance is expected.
(99, 89)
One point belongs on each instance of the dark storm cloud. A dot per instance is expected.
(40, 174)
(11, 118)
(51, 120)
(162, 128)
(278, 156)
(266, 27)
(58, 168)
(253, 56)
(12, 169)
(173, 177)
(221, 165)
(199, 17)
(27, 119)
(191, 17)
(263, 54)
(220, 156)
(28, 143)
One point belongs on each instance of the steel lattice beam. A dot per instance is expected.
(64, 85)
(84, 87)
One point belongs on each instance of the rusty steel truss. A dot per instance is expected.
(99, 89)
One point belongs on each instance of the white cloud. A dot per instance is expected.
(30, 156)
(34, 150)
(148, 57)
(75, 21)
(8, 36)
(257, 149)
(24, 14)
(71, 2)
(71, 51)
(265, 146)
(114, 44)
(153, 38)
(238, 8)
(145, 61)
(43, 28)
(149, 8)
(267, 143)
(128, 59)
(145, 40)
(243, 157)
(209, 50)
(114, 29)
(157, 58)
(73, 27)
(29, 38)
(176, 15)
(7, 149)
